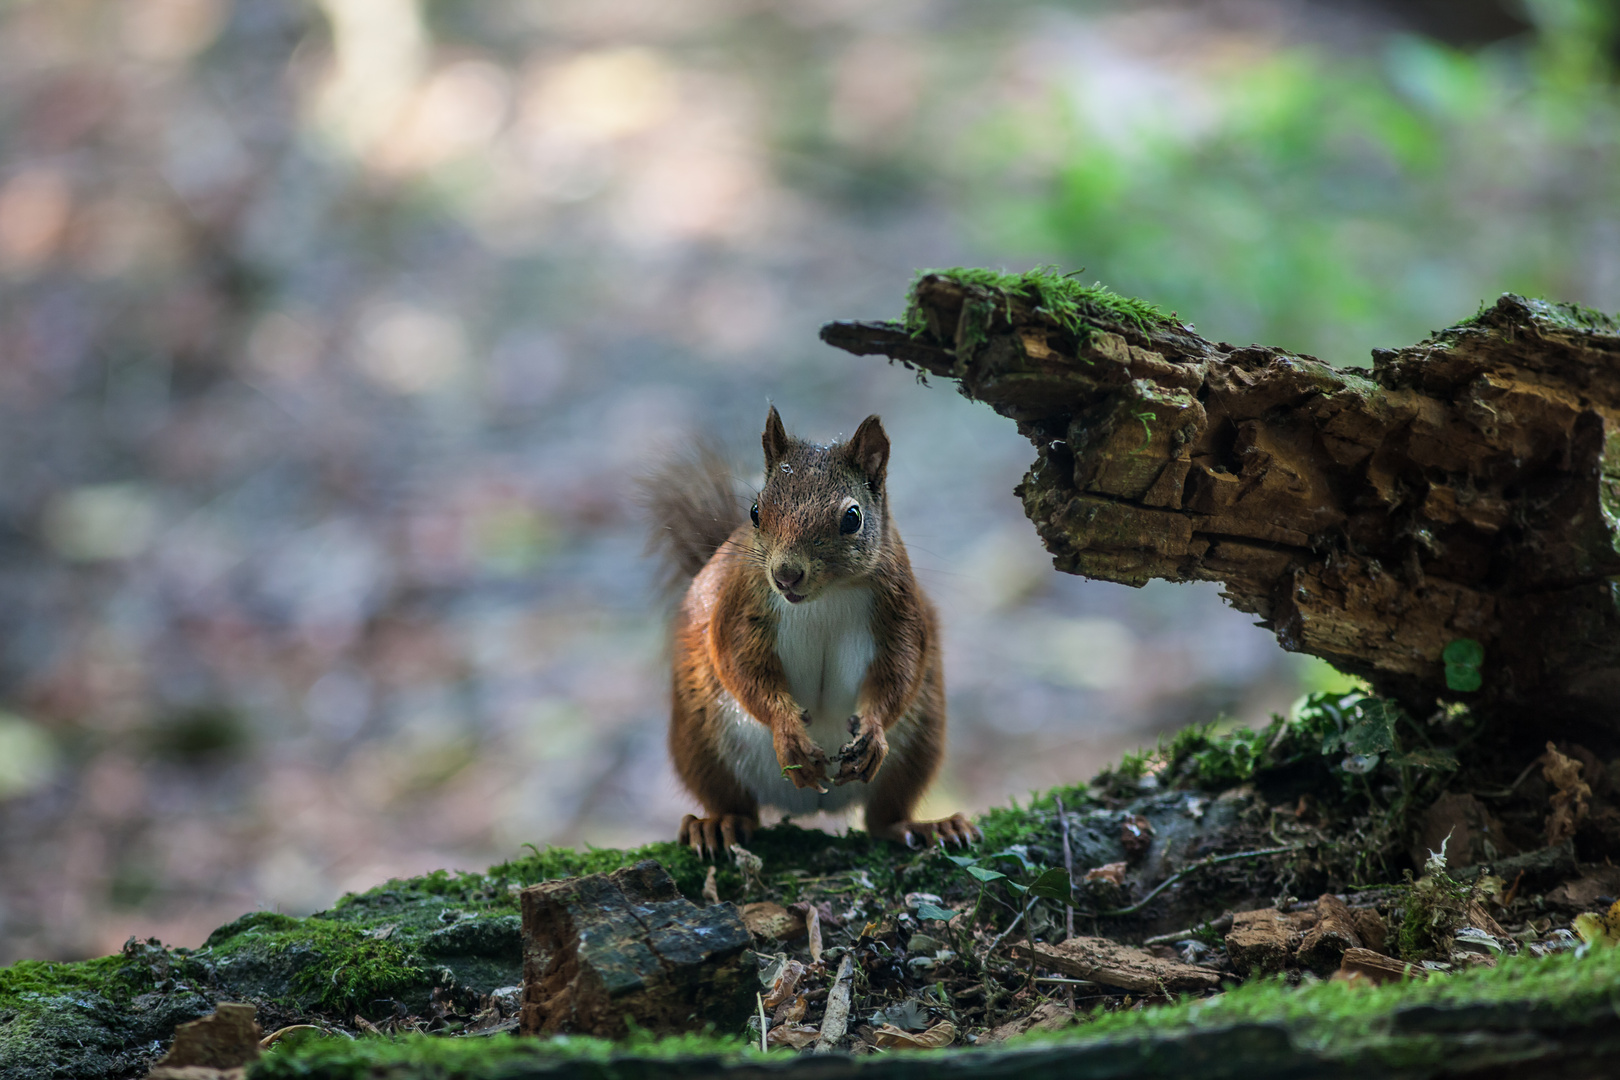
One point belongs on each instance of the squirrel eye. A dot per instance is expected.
(754, 513)
(852, 520)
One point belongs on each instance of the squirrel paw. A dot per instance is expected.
(954, 829)
(715, 835)
(861, 757)
(802, 761)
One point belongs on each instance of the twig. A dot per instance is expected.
(1065, 982)
(1010, 927)
(1191, 931)
(1068, 908)
(1209, 860)
(764, 1024)
(835, 1020)
(1068, 864)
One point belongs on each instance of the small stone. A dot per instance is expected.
(773, 922)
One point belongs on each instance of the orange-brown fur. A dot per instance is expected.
(725, 643)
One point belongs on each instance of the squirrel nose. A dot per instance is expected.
(788, 576)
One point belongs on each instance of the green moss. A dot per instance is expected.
(1334, 1018)
(330, 966)
(1072, 305)
(1554, 313)
(1330, 1021)
(477, 1059)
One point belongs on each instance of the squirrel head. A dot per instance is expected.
(821, 519)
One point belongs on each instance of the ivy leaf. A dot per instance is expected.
(963, 860)
(984, 875)
(1052, 885)
(925, 910)
(1017, 888)
(1464, 652)
(1459, 677)
(1372, 731)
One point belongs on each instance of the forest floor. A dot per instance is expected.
(1246, 883)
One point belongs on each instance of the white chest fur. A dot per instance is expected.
(825, 646)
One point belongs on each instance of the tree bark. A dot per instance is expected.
(1462, 490)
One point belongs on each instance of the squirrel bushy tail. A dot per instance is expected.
(692, 508)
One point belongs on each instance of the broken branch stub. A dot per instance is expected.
(599, 948)
(1464, 490)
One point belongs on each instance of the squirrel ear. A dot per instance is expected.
(775, 440)
(869, 451)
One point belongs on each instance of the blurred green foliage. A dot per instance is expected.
(1329, 204)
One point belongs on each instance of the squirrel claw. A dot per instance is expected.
(861, 757)
(708, 837)
(955, 829)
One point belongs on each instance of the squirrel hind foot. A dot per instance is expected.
(708, 837)
(956, 829)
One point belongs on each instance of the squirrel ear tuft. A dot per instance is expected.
(868, 451)
(775, 439)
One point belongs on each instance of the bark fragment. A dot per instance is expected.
(1465, 490)
(1103, 961)
(600, 947)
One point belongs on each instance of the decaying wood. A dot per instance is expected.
(1323, 945)
(1378, 967)
(604, 946)
(1109, 963)
(1463, 488)
(216, 1047)
(1264, 941)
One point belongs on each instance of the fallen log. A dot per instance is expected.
(1443, 525)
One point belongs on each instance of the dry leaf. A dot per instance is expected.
(812, 926)
(797, 1036)
(1114, 872)
(790, 1011)
(1600, 930)
(787, 982)
(1570, 801)
(889, 1037)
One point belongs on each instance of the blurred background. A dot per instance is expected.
(334, 333)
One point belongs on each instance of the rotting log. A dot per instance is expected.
(1463, 490)
(603, 947)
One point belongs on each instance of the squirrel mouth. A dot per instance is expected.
(789, 595)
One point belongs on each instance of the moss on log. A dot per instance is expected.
(1444, 526)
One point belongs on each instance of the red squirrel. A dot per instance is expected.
(805, 654)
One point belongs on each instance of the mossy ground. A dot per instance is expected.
(441, 944)
(1328, 1022)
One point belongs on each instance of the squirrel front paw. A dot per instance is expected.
(861, 757)
(802, 761)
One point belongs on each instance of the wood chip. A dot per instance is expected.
(835, 1021)
(1049, 1016)
(1124, 967)
(1264, 941)
(711, 888)
(889, 1037)
(1323, 945)
(1379, 968)
(224, 1041)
